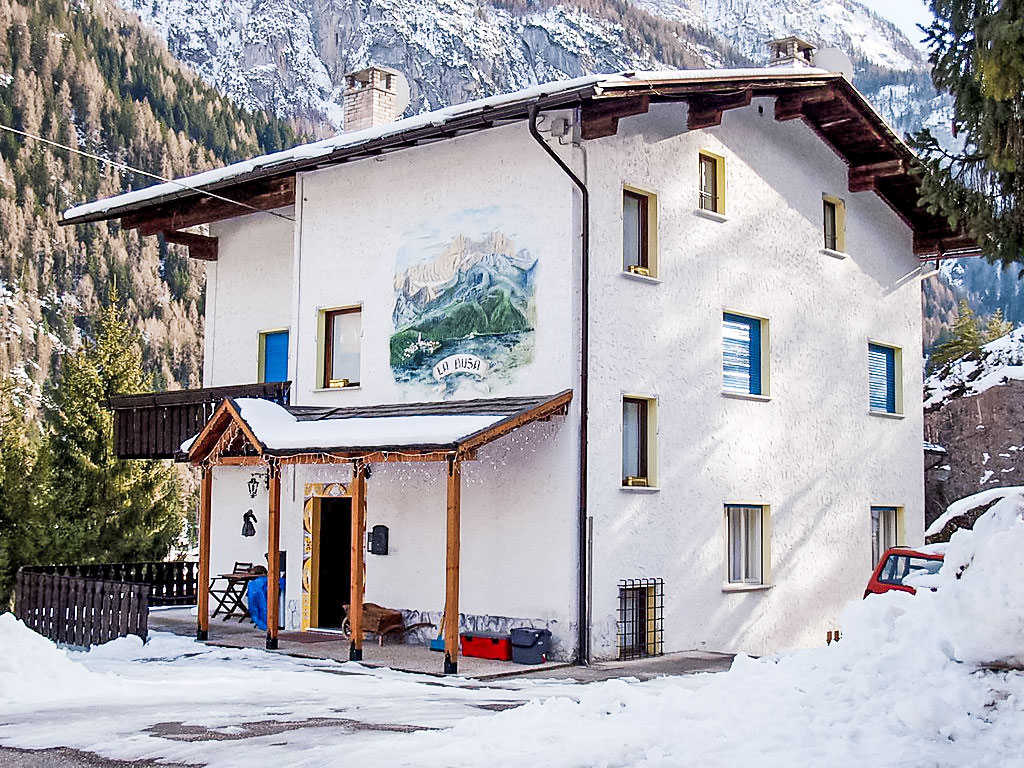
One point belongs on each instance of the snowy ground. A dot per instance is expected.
(926, 680)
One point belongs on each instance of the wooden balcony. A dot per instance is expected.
(155, 424)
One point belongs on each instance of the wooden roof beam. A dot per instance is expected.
(863, 177)
(936, 244)
(600, 117)
(199, 246)
(790, 106)
(706, 111)
(190, 212)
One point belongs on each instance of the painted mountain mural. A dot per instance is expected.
(464, 318)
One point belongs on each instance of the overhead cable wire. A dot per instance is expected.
(124, 167)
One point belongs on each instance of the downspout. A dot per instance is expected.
(583, 626)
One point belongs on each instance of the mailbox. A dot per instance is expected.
(377, 540)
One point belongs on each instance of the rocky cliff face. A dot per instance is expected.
(974, 408)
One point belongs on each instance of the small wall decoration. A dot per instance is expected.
(249, 524)
(465, 310)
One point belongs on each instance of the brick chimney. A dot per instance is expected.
(790, 52)
(370, 98)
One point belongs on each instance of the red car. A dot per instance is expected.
(899, 565)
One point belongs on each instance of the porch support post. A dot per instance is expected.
(203, 585)
(358, 576)
(451, 595)
(273, 556)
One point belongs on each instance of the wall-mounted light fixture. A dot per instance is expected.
(254, 483)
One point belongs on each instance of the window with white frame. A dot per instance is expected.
(884, 378)
(638, 415)
(884, 531)
(744, 342)
(746, 543)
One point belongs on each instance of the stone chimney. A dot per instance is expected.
(370, 98)
(790, 52)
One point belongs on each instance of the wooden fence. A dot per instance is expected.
(79, 611)
(170, 583)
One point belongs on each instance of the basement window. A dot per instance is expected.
(641, 618)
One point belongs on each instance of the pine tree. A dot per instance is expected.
(997, 327)
(966, 338)
(21, 488)
(104, 509)
(977, 55)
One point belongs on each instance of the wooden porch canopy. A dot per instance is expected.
(248, 432)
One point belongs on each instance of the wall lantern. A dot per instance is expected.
(249, 524)
(254, 483)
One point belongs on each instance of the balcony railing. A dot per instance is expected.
(154, 425)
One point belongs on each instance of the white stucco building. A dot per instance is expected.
(720, 269)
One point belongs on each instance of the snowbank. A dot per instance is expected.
(32, 668)
(966, 504)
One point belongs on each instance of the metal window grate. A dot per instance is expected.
(641, 618)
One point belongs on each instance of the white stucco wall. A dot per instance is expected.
(248, 291)
(813, 452)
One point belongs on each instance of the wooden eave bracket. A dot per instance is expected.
(790, 106)
(863, 178)
(706, 111)
(199, 246)
(600, 117)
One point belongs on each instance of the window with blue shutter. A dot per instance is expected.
(741, 354)
(275, 356)
(882, 378)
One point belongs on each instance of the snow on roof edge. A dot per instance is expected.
(325, 147)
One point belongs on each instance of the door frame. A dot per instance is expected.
(312, 494)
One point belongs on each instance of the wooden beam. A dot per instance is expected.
(790, 106)
(358, 574)
(273, 557)
(199, 246)
(452, 552)
(706, 111)
(189, 212)
(929, 244)
(374, 457)
(556, 405)
(863, 177)
(203, 598)
(600, 117)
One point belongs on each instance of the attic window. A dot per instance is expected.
(712, 183)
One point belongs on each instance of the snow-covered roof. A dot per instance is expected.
(592, 84)
(280, 430)
(277, 430)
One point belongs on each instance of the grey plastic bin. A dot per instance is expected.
(530, 645)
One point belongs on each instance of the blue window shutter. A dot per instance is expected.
(741, 354)
(882, 378)
(275, 356)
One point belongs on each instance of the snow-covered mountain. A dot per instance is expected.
(748, 24)
(289, 56)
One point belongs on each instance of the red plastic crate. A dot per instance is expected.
(487, 645)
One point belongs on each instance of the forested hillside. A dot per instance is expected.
(85, 74)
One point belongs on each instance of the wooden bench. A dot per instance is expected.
(381, 621)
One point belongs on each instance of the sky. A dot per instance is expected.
(905, 14)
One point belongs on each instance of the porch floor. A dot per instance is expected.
(418, 659)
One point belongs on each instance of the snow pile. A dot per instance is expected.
(903, 686)
(1001, 361)
(968, 503)
(32, 668)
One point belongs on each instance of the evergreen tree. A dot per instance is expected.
(977, 55)
(966, 338)
(104, 509)
(997, 327)
(22, 485)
